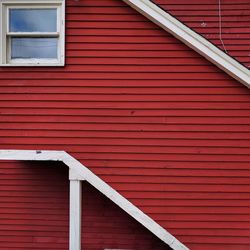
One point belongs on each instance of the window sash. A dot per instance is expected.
(58, 15)
(33, 19)
(34, 49)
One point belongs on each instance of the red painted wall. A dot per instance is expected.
(34, 206)
(34, 212)
(204, 17)
(160, 124)
(105, 225)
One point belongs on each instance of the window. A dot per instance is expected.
(32, 33)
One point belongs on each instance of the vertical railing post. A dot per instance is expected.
(75, 209)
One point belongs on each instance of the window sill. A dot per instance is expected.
(32, 65)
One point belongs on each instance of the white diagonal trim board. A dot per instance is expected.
(77, 171)
(192, 39)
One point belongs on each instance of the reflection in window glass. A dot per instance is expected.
(24, 48)
(33, 20)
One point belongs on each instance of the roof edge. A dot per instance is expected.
(192, 39)
(79, 172)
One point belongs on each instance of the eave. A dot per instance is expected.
(192, 39)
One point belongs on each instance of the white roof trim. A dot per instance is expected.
(79, 172)
(192, 39)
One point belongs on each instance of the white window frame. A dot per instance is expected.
(5, 35)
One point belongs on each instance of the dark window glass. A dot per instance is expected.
(33, 48)
(33, 20)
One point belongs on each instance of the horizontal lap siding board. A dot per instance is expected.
(34, 206)
(158, 122)
(203, 17)
(106, 226)
(34, 212)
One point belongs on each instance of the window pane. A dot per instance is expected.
(33, 48)
(32, 20)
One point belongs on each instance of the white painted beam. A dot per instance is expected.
(75, 214)
(78, 172)
(85, 174)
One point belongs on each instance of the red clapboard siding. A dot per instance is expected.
(158, 122)
(203, 17)
(34, 206)
(106, 226)
(34, 212)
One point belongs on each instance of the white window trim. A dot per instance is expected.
(4, 34)
(77, 173)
